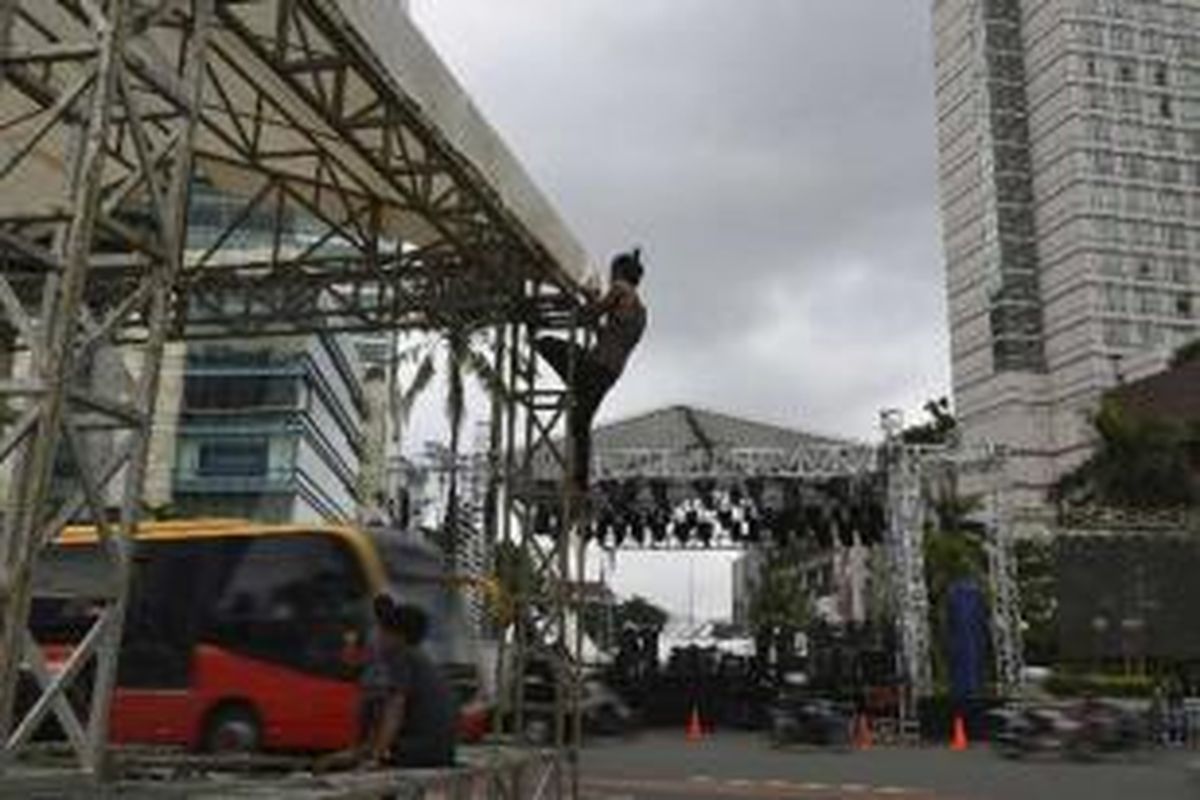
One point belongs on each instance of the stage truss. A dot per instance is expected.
(111, 112)
(711, 484)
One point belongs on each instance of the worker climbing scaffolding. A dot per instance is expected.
(622, 321)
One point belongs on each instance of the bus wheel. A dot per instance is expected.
(232, 729)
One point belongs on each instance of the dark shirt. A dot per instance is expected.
(426, 736)
(621, 330)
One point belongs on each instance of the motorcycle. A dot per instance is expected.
(797, 719)
(1083, 731)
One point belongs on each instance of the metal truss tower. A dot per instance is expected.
(904, 541)
(337, 113)
(113, 89)
(1002, 581)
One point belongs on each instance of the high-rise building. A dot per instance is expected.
(1069, 150)
(277, 429)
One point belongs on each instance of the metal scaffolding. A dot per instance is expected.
(111, 112)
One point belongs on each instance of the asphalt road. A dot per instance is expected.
(658, 766)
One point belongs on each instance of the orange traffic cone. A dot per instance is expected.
(695, 731)
(862, 733)
(958, 741)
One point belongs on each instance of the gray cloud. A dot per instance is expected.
(776, 160)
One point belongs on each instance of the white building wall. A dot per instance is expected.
(1112, 93)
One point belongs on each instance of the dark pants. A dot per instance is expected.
(592, 382)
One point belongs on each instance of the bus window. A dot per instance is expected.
(296, 600)
(170, 581)
(67, 585)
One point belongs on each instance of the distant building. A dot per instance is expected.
(271, 432)
(269, 429)
(1069, 161)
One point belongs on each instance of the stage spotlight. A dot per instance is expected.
(706, 492)
(660, 491)
(659, 526)
(756, 488)
(753, 529)
(637, 529)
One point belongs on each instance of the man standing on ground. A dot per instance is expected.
(622, 321)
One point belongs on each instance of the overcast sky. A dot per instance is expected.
(775, 158)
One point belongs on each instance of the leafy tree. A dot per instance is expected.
(778, 598)
(514, 575)
(1140, 463)
(1186, 353)
(1039, 599)
(939, 428)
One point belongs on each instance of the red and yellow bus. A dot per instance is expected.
(247, 636)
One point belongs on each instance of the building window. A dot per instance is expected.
(1133, 166)
(1122, 38)
(1176, 237)
(1183, 306)
(233, 458)
(233, 392)
(1147, 302)
(1168, 171)
(1165, 109)
(1125, 70)
(1116, 333)
(1179, 270)
(1115, 298)
(1129, 102)
(1160, 74)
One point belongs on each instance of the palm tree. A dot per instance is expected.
(459, 354)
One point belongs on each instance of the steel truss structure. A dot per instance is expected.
(909, 475)
(111, 111)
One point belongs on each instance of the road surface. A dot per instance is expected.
(659, 766)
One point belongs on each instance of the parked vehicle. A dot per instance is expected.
(241, 636)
